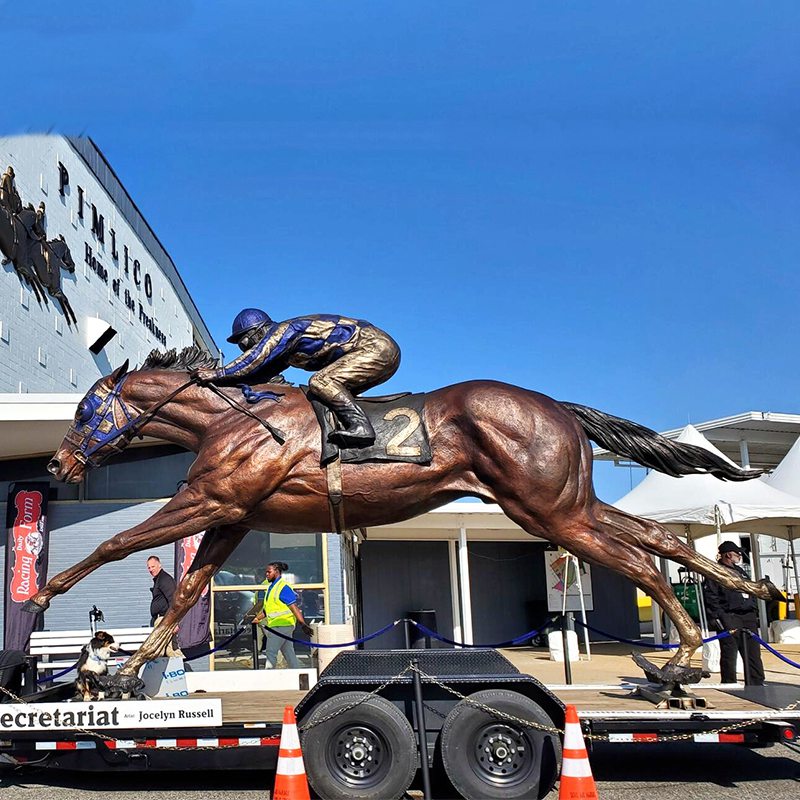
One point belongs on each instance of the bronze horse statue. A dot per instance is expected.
(49, 258)
(14, 243)
(497, 442)
(37, 262)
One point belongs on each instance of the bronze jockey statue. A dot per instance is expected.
(348, 356)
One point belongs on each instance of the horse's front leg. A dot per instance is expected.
(216, 546)
(186, 514)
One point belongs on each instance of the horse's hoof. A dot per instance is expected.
(669, 673)
(118, 685)
(32, 607)
(772, 591)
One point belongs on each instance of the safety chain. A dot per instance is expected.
(374, 693)
(598, 737)
(483, 707)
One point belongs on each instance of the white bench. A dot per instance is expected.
(57, 650)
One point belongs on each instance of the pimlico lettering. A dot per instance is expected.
(131, 267)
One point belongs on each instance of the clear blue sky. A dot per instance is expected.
(595, 200)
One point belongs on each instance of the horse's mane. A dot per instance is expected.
(189, 358)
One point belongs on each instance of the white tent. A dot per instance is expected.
(699, 505)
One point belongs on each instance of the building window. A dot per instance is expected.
(141, 473)
(33, 469)
(236, 590)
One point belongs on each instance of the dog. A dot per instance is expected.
(93, 663)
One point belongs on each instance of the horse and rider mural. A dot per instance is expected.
(23, 240)
(259, 463)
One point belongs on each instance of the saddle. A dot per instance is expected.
(400, 432)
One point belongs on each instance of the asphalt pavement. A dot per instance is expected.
(674, 771)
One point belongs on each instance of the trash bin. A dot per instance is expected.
(426, 617)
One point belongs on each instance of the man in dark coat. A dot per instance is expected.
(163, 589)
(727, 610)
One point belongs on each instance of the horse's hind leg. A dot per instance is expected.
(597, 543)
(657, 539)
(69, 314)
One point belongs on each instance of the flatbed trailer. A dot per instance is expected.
(360, 732)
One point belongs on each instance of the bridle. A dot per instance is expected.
(100, 430)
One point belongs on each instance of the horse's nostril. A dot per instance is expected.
(53, 466)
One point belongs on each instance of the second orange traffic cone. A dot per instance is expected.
(576, 781)
(290, 777)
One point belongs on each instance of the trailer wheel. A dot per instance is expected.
(367, 752)
(488, 757)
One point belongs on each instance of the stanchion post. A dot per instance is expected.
(565, 627)
(422, 736)
(407, 633)
(254, 643)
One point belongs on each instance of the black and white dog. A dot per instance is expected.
(93, 663)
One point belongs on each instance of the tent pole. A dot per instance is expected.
(796, 578)
(755, 554)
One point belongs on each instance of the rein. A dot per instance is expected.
(107, 435)
(277, 434)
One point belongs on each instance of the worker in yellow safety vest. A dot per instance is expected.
(280, 613)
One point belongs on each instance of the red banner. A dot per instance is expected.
(27, 549)
(195, 627)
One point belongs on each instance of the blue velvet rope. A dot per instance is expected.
(50, 678)
(518, 640)
(343, 644)
(774, 652)
(649, 645)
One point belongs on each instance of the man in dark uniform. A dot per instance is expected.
(348, 356)
(163, 589)
(728, 610)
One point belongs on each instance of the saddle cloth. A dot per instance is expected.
(400, 432)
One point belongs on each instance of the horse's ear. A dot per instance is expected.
(118, 372)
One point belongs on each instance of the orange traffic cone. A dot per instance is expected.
(576, 781)
(290, 777)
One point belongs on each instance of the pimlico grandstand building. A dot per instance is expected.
(124, 298)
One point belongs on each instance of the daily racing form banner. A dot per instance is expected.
(195, 627)
(27, 548)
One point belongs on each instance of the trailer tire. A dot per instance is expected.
(487, 757)
(367, 752)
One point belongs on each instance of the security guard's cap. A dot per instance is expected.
(730, 547)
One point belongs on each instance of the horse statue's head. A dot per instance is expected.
(97, 431)
(115, 409)
(61, 251)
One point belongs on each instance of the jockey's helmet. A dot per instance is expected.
(247, 320)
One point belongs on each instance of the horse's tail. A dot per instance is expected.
(652, 450)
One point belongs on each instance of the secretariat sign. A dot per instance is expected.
(123, 715)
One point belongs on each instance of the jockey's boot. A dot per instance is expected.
(358, 431)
